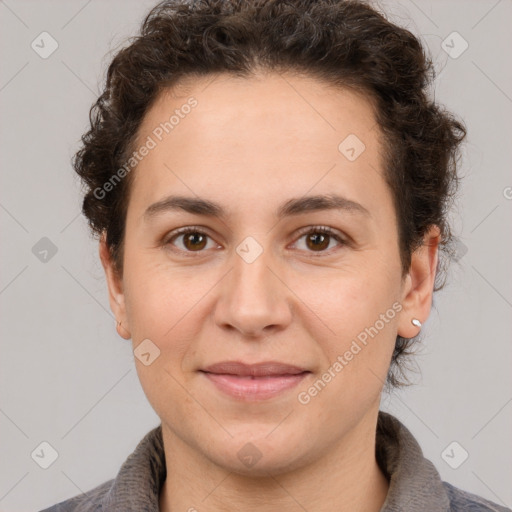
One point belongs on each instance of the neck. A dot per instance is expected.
(347, 478)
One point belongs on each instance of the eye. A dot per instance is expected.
(319, 238)
(192, 239)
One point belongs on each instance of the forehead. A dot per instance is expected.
(272, 99)
(262, 135)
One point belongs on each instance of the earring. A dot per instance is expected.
(416, 322)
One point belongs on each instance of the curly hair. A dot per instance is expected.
(345, 43)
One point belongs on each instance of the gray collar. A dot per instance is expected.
(415, 484)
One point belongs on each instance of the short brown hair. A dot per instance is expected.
(344, 43)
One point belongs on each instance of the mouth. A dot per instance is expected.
(254, 382)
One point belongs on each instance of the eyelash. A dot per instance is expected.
(324, 230)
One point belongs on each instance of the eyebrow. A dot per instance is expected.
(199, 206)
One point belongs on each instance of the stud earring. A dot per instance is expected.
(416, 322)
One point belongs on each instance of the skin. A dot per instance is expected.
(250, 145)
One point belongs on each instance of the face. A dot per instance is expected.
(273, 269)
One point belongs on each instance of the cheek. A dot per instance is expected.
(170, 307)
(356, 345)
(346, 301)
(162, 306)
(157, 296)
(355, 325)
(355, 315)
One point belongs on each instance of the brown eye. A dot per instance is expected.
(318, 239)
(190, 240)
(194, 241)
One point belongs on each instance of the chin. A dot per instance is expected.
(259, 456)
(258, 468)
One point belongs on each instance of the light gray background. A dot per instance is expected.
(66, 376)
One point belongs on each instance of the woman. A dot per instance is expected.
(269, 181)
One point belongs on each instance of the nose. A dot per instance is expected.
(254, 299)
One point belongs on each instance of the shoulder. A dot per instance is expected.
(464, 501)
(90, 501)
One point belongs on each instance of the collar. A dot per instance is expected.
(415, 484)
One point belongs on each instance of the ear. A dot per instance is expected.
(115, 289)
(418, 288)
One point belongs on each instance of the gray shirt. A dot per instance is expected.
(415, 484)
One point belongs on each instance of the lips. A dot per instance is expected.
(254, 382)
(264, 369)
